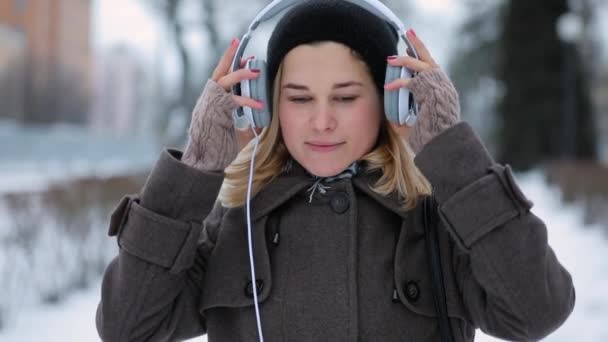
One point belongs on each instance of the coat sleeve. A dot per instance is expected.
(151, 290)
(511, 281)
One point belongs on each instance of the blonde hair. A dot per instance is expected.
(392, 156)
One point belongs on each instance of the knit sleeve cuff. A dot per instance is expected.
(212, 141)
(216, 97)
(439, 106)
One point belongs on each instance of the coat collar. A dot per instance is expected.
(295, 179)
(390, 202)
(292, 180)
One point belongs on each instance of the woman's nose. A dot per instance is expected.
(323, 118)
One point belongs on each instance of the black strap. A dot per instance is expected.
(432, 248)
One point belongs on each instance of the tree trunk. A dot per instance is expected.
(545, 112)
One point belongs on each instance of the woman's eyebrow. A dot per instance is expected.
(336, 86)
(347, 84)
(295, 86)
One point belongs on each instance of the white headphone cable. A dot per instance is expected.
(254, 283)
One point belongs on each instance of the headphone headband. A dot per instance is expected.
(374, 6)
(276, 6)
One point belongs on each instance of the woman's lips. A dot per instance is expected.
(323, 147)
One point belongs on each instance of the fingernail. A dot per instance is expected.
(234, 42)
(257, 71)
(260, 104)
(251, 57)
(390, 58)
(412, 32)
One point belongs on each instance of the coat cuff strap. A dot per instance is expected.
(156, 239)
(484, 205)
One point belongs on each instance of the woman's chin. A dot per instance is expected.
(325, 169)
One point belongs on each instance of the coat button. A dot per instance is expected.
(412, 291)
(339, 202)
(249, 288)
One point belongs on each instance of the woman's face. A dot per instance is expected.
(329, 109)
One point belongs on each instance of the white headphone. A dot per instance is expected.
(399, 106)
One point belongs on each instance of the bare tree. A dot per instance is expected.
(170, 11)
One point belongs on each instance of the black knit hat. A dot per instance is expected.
(333, 20)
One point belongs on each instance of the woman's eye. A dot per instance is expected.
(299, 99)
(346, 98)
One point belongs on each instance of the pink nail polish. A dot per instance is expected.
(233, 42)
(257, 71)
(413, 32)
(390, 58)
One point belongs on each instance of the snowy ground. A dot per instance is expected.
(583, 250)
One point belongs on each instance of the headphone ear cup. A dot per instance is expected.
(240, 117)
(391, 97)
(256, 89)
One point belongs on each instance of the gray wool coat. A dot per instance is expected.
(350, 266)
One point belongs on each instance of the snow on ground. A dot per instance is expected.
(73, 320)
(582, 249)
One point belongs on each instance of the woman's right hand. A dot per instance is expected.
(223, 76)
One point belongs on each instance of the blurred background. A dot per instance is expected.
(92, 90)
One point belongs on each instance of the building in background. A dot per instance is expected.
(45, 60)
(12, 73)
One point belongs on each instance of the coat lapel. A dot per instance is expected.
(280, 190)
(364, 182)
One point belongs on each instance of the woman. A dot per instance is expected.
(339, 243)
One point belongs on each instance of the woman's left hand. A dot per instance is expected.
(425, 61)
(434, 93)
